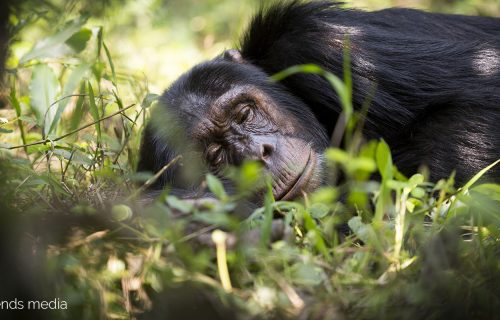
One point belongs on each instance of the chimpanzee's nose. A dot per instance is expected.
(261, 151)
(259, 148)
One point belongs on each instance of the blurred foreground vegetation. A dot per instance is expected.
(80, 80)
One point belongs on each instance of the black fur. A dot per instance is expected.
(437, 80)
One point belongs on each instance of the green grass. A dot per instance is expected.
(71, 200)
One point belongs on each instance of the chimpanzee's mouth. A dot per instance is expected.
(301, 181)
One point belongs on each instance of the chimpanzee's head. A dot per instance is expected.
(226, 111)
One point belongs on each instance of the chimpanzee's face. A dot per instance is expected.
(232, 112)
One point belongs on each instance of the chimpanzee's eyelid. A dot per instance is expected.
(244, 113)
(240, 103)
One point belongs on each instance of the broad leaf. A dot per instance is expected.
(108, 55)
(149, 99)
(93, 109)
(384, 160)
(56, 46)
(78, 41)
(73, 81)
(43, 90)
(216, 187)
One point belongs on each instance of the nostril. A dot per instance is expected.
(266, 151)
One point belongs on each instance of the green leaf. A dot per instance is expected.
(416, 179)
(78, 41)
(340, 87)
(98, 68)
(149, 99)
(56, 185)
(343, 92)
(337, 155)
(368, 150)
(396, 185)
(305, 68)
(182, 206)
(93, 109)
(307, 274)
(14, 102)
(99, 41)
(384, 164)
(75, 156)
(74, 79)
(77, 115)
(55, 46)
(28, 119)
(43, 90)
(324, 195)
(355, 224)
(384, 160)
(248, 177)
(478, 176)
(216, 187)
(216, 218)
(418, 192)
(489, 189)
(362, 164)
(266, 227)
(108, 55)
(319, 210)
(365, 232)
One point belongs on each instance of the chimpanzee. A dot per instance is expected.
(436, 100)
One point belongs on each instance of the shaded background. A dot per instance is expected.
(158, 39)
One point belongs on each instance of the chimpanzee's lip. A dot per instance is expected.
(302, 180)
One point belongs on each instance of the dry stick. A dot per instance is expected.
(198, 233)
(71, 132)
(151, 180)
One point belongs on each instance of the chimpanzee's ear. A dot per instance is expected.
(233, 55)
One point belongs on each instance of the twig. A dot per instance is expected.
(71, 132)
(151, 180)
